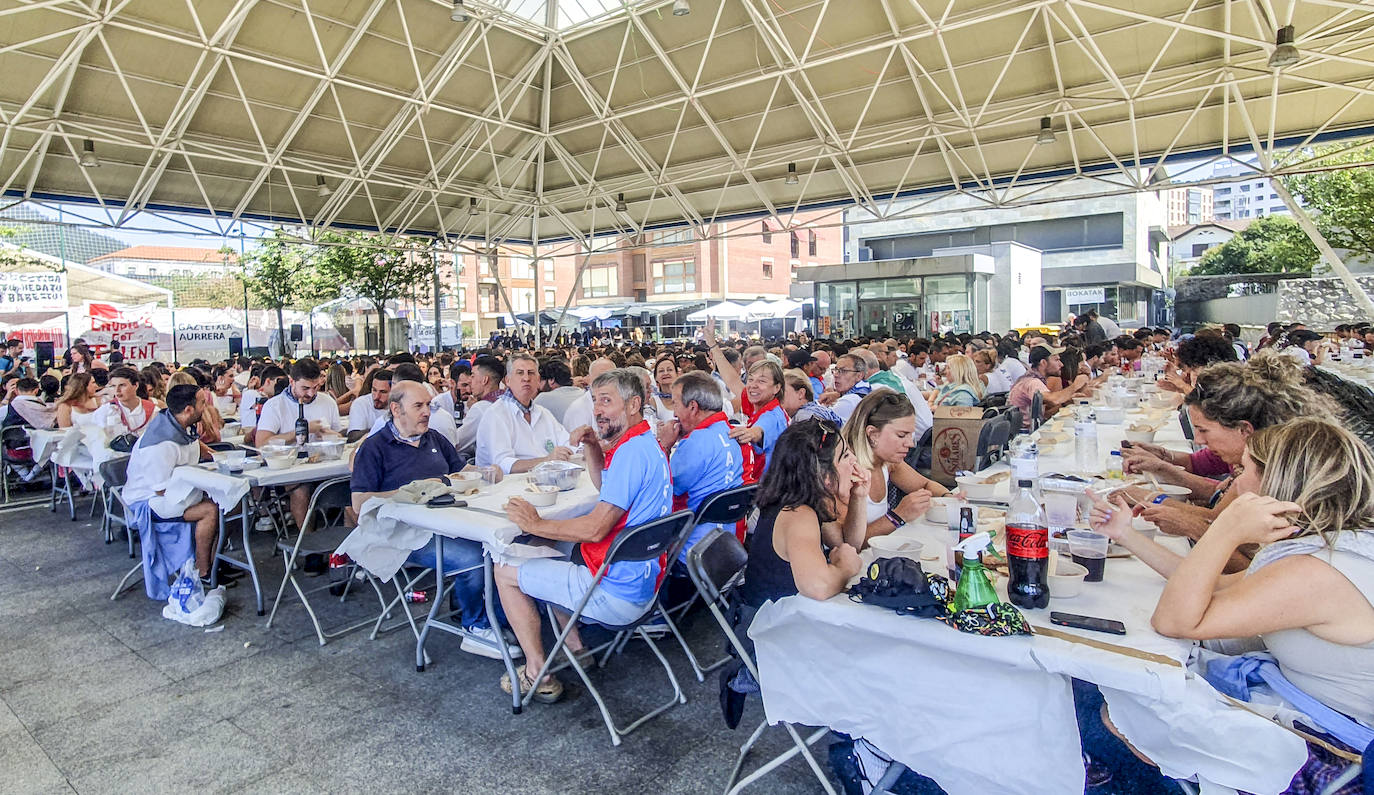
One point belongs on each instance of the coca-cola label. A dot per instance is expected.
(1028, 542)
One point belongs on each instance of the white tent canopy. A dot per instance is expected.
(725, 310)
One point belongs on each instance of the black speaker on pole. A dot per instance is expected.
(645, 318)
(297, 332)
(43, 356)
(235, 347)
(808, 311)
(500, 321)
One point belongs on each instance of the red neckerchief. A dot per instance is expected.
(148, 411)
(594, 553)
(754, 461)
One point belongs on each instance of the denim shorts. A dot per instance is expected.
(564, 583)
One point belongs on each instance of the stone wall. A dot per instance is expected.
(1320, 303)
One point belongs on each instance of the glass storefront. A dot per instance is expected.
(903, 307)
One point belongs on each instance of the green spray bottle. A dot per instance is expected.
(974, 589)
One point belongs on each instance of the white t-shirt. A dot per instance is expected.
(443, 400)
(362, 415)
(997, 382)
(505, 438)
(580, 413)
(557, 401)
(150, 468)
(1012, 369)
(1299, 353)
(279, 414)
(467, 435)
(113, 417)
(248, 417)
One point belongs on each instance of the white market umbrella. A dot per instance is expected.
(725, 310)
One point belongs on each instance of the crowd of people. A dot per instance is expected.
(1281, 491)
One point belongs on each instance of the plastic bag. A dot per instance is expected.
(187, 593)
(210, 610)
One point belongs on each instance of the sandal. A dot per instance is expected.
(548, 691)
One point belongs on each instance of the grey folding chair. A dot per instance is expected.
(1037, 411)
(321, 536)
(12, 439)
(716, 565)
(648, 541)
(113, 475)
(724, 508)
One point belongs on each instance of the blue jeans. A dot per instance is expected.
(459, 554)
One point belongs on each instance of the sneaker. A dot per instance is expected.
(482, 642)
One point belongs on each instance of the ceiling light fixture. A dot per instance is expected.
(620, 205)
(472, 205)
(1285, 54)
(322, 188)
(88, 158)
(791, 174)
(681, 8)
(1046, 135)
(459, 12)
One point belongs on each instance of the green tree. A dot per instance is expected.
(1272, 244)
(1342, 201)
(281, 272)
(378, 268)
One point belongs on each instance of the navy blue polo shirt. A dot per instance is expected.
(385, 463)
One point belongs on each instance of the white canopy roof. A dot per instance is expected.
(725, 310)
(387, 114)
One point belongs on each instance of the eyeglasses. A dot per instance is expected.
(847, 370)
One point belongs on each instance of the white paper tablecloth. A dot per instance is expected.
(386, 536)
(944, 702)
(45, 442)
(300, 473)
(226, 490)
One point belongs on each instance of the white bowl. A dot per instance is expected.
(938, 512)
(541, 496)
(279, 456)
(466, 479)
(896, 546)
(1142, 437)
(324, 450)
(231, 458)
(1170, 489)
(977, 488)
(1110, 415)
(1066, 581)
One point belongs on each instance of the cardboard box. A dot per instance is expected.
(954, 441)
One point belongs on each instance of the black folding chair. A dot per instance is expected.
(716, 565)
(12, 440)
(113, 475)
(324, 531)
(648, 541)
(723, 508)
(1037, 411)
(1187, 423)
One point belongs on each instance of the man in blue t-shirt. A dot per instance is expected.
(405, 450)
(627, 465)
(706, 460)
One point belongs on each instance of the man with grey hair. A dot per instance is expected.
(626, 464)
(517, 435)
(706, 460)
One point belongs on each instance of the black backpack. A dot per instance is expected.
(898, 584)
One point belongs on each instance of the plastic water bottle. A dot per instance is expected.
(1085, 438)
(1025, 458)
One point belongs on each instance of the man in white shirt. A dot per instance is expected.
(169, 442)
(580, 412)
(365, 411)
(127, 413)
(515, 434)
(487, 375)
(556, 390)
(304, 396)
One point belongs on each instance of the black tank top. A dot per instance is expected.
(766, 576)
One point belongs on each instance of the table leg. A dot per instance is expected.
(248, 555)
(433, 605)
(489, 598)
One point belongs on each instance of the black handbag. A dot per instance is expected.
(124, 443)
(898, 584)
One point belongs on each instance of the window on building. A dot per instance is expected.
(767, 233)
(484, 266)
(1223, 191)
(462, 299)
(548, 270)
(675, 276)
(596, 282)
(486, 297)
(1273, 197)
(550, 297)
(767, 268)
(521, 268)
(810, 242)
(674, 237)
(1244, 188)
(1200, 248)
(795, 244)
(523, 298)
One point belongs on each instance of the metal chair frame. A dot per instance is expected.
(715, 594)
(647, 541)
(13, 436)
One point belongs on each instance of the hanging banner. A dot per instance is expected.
(31, 292)
(131, 326)
(1077, 296)
(206, 336)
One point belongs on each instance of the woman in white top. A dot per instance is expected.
(1308, 502)
(77, 399)
(881, 431)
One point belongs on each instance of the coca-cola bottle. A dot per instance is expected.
(1028, 550)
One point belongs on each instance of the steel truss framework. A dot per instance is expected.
(545, 111)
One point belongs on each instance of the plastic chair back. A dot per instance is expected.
(15, 437)
(330, 496)
(115, 473)
(716, 564)
(652, 539)
(726, 507)
(222, 447)
(1187, 422)
(1037, 411)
